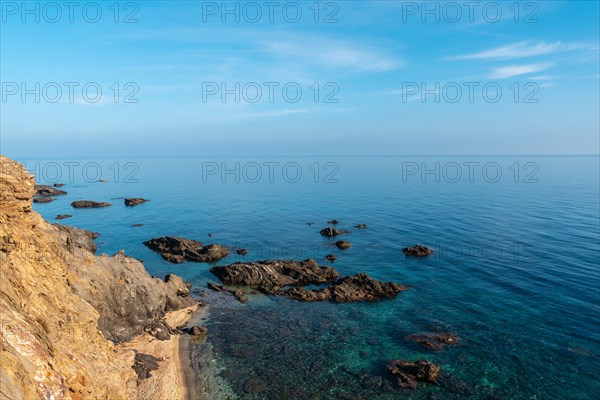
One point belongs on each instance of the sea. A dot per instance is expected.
(515, 268)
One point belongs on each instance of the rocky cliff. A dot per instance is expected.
(63, 309)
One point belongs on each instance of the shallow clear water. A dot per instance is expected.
(515, 270)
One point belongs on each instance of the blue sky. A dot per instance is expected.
(375, 58)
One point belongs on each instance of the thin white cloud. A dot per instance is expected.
(517, 70)
(335, 54)
(522, 50)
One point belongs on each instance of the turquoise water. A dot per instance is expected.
(515, 270)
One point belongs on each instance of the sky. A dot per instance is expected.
(304, 78)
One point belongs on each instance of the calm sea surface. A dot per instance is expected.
(515, 270)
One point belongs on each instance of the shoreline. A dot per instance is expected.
(172, 378)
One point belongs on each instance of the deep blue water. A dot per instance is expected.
(515, 270)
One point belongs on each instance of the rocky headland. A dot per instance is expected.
(73, 323)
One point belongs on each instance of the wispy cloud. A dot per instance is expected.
(522, 50)
(516, 70)
(335, 54)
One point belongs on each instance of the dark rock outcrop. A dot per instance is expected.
(89, 204)
(434, 341)
(158, 329)
(178, 250)
(242, 252)
(130, 202)
(330, 232)
(136, 225)
(77, 238)
(59, 185)
(333, 222)
(48, 191)
(63, 216)
(43, 199)
(408, 373)
(360, 287)
(330, 257)
(342, 244)
(195, 330)
(361, 226)
(417, 251)
(271, 276)
(144, 364)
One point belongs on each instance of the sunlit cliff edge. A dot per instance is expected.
(71, 322)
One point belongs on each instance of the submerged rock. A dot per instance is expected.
(271, 276)
(89, 204)
(48, 191)
(360, 287)
(434, 341)
(63, 216)
(137, 225)
(417, 251)
(408, 373)
(43, 199)
(333, 222)
(342, 244)
(361, 226)
(240, 296)
(134, 201)
(330, 232)
(178, 250)
(252, 386)
(215, 287)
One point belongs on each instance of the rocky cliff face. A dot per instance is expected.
(62, 307)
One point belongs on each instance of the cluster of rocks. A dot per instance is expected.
(271, 277)
(177, 250)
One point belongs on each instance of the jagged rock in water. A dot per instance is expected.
(59, 185)
(130, 202)
(242, 252)
(270, 276)
(360, 287)
(215, 287)
(408, 373)
(48, 191)
(43, 199)
(330, 257)
(333, 222)
(331, 232)
(434, 341)
(342, 244)
(417, 251)
(63, 216)
(89, 204)
(178, 250)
